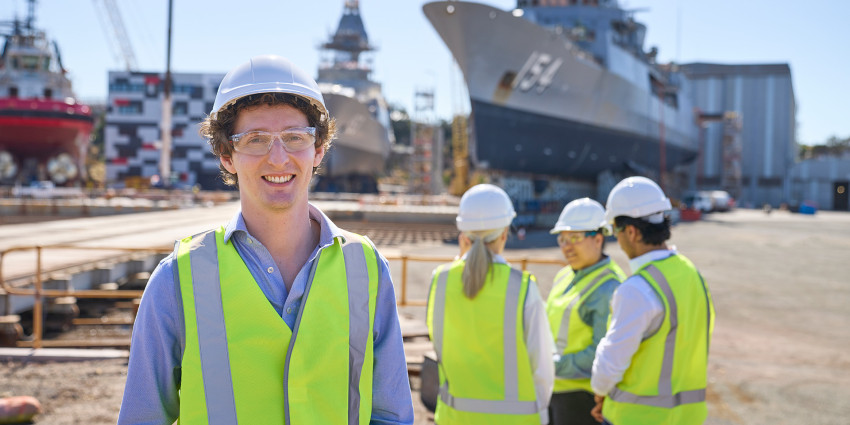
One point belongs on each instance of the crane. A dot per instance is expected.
(116, 23)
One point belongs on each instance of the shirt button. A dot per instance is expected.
(289, 310)
(271, 269)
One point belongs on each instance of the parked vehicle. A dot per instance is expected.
(721, 200)
(700, 201)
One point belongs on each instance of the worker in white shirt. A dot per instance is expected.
(661, 313)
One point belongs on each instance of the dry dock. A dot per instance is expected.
(779, 353)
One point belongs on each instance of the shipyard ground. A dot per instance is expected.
(780, 349)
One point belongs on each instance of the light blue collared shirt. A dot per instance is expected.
(150, 394)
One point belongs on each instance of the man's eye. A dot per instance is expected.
(255, 140)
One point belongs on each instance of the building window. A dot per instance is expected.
(132, 107)
(126, 87)
(180, 108)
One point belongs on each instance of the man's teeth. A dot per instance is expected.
(278, 179)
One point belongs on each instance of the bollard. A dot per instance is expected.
(10, 330)
(61, 314)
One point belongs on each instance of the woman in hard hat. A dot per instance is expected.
(578, 307)
(488, 325)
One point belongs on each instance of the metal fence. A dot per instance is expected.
(34, 286)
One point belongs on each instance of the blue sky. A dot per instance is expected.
(216, 35)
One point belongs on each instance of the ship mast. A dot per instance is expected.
(346, 45)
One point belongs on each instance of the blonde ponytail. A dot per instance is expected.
(478, 260)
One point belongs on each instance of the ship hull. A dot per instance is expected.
(521, 141)
(521, 76)
(362, 144)
(38, 130)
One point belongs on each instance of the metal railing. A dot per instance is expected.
(403, 301)
(40, 293)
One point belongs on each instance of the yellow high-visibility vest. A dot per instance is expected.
(571, 333)
(485, 373)
(243, 364)
(666, 380)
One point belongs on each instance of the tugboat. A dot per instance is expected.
(44, 131)
(565, 88)
(364, 132)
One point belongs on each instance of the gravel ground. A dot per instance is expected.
(780, 349)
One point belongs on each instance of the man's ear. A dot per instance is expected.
(632, 233)
(227, 162)
(320, 153)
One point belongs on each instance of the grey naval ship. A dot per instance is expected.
(565, 88)
(364, 134)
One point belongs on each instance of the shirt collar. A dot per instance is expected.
(587, 270)
(639, 262)
(497, 258)
(329, 230)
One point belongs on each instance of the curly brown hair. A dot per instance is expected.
(218, 129)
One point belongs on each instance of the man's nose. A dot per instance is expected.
(277, 151)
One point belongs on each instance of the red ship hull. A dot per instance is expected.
(35, 130)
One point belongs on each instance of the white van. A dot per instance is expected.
(721, 200)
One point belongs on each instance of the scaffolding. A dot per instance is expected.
(731, 148)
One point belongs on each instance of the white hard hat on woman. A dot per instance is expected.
(583, 214)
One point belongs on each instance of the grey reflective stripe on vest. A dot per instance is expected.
(564, 331)
(212, 338)
(509, 338)
(502, 407)
(511, 403)
(665, 397)
(666, 401)
(439, 312)
(357, 277)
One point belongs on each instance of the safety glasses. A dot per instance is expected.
(573, 238)
(260, 142)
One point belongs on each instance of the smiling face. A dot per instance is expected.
(584, 252)
(278, 180)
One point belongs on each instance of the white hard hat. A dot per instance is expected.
(485, 207)
(267, 74)
(637, 197)
(581, 214)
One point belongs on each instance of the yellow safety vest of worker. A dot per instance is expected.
(571, 333)
(243, 364)
(666, 380)
(485, 374)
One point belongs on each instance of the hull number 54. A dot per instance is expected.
(538, 71)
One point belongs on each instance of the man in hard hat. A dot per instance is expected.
(488, 325)
(577, 308)
(651, 366)
(279, 316)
